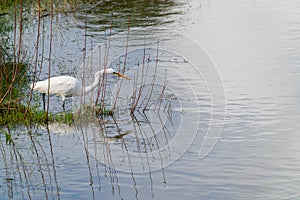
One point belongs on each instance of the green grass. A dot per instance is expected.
(14, 115)
(8, 138)
(104, 111)
(64, 117)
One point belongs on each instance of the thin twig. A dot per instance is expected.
(49, 63)
(154, 78)
(124, 66)
(36, 55)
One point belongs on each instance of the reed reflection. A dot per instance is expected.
(29, 165)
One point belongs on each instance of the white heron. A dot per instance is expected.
(67, 86)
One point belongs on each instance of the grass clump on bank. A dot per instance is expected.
(19, 114)
(13, 92)
(13, 80)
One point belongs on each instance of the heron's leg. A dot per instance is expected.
(44, 106)
(63, 105)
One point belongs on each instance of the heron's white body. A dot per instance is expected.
(64, 86)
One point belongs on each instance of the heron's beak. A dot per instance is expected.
(122, 75)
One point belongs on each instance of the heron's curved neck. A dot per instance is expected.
(89, 88)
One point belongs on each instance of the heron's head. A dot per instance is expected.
(112, 71)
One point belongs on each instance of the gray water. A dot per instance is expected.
(233, 81)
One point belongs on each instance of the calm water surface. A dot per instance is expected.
(233, 83)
